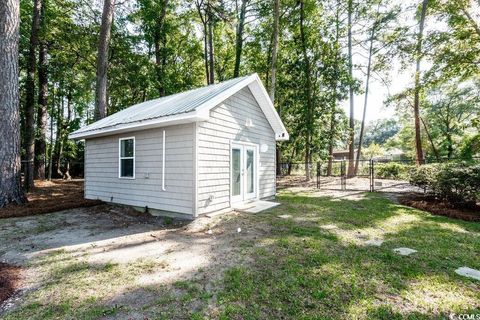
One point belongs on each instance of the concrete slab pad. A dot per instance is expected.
(374, 242)
(468, 272)
(257, 206)
(404, 251)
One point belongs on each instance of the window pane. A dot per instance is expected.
(126, 148)
(250, 172)
(126, 169)
(236, 172)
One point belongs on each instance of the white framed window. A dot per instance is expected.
(126, 158)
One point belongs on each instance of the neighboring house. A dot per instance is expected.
(200, 151)
(343, 154)
(393, 154)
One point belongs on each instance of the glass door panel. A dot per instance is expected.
(236, 172)
(250, 164)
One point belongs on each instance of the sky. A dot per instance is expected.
(379, 92)
(377, 95)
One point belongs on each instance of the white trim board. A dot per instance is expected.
(120, 158)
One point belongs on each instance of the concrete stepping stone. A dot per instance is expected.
(374, 242)
(468, 272)
(285, 216)
(404, 251)
(329, 227)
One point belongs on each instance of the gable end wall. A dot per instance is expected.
(227, 124)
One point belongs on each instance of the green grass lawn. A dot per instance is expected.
(309, 261)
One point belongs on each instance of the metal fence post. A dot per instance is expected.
(318, 174)
(372, 175)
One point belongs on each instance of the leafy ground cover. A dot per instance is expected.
(50, 196)
(306, 259)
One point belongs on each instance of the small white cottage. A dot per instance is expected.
(191, 153)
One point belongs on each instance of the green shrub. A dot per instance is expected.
(392, 170)
(458, 183)
(424, 176)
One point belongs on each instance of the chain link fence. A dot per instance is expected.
(380, 175)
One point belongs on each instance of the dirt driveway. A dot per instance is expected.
(109, 236)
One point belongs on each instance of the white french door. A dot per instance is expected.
(243, 172)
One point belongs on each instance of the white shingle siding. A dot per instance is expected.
(200, 127)
(227, 124)
(101, 169)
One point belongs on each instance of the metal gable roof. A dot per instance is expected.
(188, 106)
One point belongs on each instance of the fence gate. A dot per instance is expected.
(371, 175)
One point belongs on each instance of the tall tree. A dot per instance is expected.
(160, 38)
(102, 60)
(206, 14)
(204, 19)
(239, 37)
(308, 91)
(10, 184)
(367, 84)
(40, 142)
(274, 57)
(417, 89)
(334, 88)
(29, 110)
(351, 141)
(273, 71)
(211, 53)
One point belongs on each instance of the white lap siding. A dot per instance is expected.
(226, 124)
(101, 171)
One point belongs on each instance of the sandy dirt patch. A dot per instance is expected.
(111, 234)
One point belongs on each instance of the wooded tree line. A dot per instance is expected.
(79, 61)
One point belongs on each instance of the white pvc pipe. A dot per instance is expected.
(163, 162)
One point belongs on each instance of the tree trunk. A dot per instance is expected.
(10, 166)
(51, 149)
(351, 150)
(334, 88)
(273, 70)
(308, 91)
(41, 143)
(203, 18)
(211, 62)
(273, 62)
(160, 52)
(102, 60)
(331, 142)
(29, 111)
(66, 124)
(205, 53)
(58, 139)
(416, 103)
(239, 38)
(365, 102)
(435, 151)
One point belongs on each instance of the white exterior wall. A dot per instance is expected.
(101, 169)
(227, 124)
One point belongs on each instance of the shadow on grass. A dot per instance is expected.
(298, 270)
(306, 272)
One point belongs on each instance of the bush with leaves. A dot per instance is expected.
(392, 170)
(456, 182)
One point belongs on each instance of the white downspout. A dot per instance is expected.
(163, 162)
